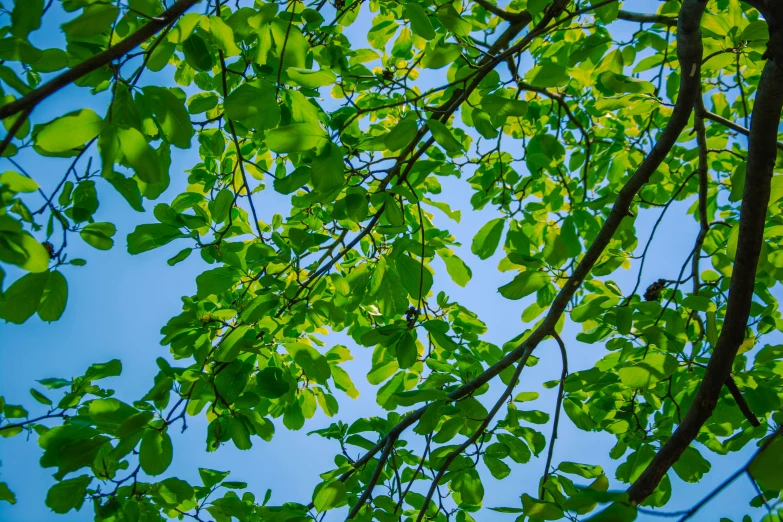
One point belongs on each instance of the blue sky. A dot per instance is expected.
(118, 303)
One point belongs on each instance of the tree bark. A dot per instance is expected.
(762, 152)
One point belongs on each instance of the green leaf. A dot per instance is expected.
(487, 239)
(766, 467)
(415, 277)
(314, 365)
(99, 235)
(757, 30)
(138, 154)
(240, 434)
(40, 397)
(656, 367)
(578, 415)
(26, 18)
(311, 79)
(6, 495)
(54, 298)
(253, 106)
(618, 83)
(407, 352)
(148, 237)
(100, 371)
(197, 53)
(170, 115)
(128, 189)
(524, 284)
(450, 18)
(68, 494)
(134, 423)
(518, 450)
(328, 169)
(540, 509)
(444, 138)
(210, 477)
(548, 75)
(22, 249)
(420, 22)
(297, 137)
(468, 484)
(272, 383)
(497, 467)
(441, 56)
(17, 183)
(500, 107)
(691, 466)
(329, 495)
(216, 281)
(223, 36)
(232, 344)
(184, 28)
(155, 452)
(583, 470)
(221, 205)
(402, 133)
(95, 19)
(21, 299)
(459, 272)
(606, 13)
(69, 132)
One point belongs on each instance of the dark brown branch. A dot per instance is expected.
(741, 403)
(731, 125)
(761, 161)
(502, 13)
(373, 481)
(33, 98)
(704, 228)
(32, 421)
(558, 406)
(644, 18)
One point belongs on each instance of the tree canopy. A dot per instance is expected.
(568, 127)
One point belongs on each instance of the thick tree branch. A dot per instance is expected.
(707, 115)
(502, 13)
(761, 161)
(33, 98)
(644, 18)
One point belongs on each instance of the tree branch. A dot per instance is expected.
(707, 115)
(644, 18)
(741, 403)
(33, 98)
(374, 480)
(502, 13)
(690, 54)
(761, 161)
(479, 431)
(558, 406)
